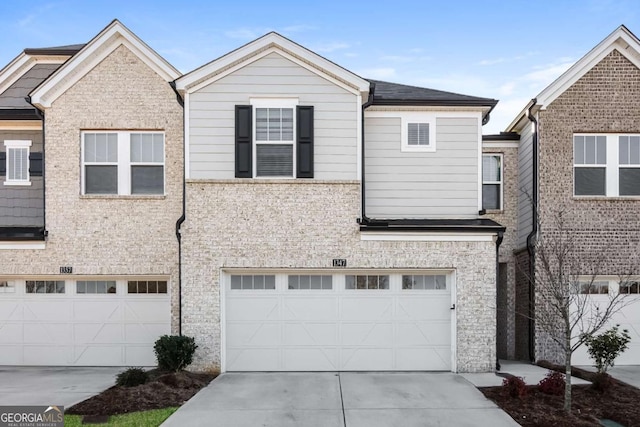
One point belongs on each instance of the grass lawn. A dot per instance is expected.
(151, 418)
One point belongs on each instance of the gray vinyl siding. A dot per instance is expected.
(22, 206)
(212, 123)
(440, 184)
(525, 191)
(14, 96)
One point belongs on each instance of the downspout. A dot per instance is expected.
(534, 230)
(40, 113)
(364, 219)
(498, 243)
(182, 218)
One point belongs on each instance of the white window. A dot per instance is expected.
(147, 287)
(310, 282)
(606, 165)
(418, 132)
(96, 287)
(6, 287)
(253, 281)
(45, 286)
(424, 282)
(274, 137)
(17, 162)
(366, 282)
(123, 163)
(492, 181)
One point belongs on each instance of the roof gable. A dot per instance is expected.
(265, 45)
(101, 46)
(621, 40)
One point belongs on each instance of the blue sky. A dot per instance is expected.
(508, 50)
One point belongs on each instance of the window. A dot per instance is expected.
(367, 282)
(310, 282)
(606, 165)
(595, 287)
(274, 137)
(6, 287)
(96, 287)
(147, 287)
(123, 163)
(418, 132)
(424, 282)
(257, 281)
(45, 286)
(17, 166)
(630, 288)
(492, 181)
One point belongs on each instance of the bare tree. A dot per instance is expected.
(567, 309)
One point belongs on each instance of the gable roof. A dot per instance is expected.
(271, 42)
(387, 93)
(109, 39)
(622, 40)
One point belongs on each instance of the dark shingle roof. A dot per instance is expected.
(386, 93)
(70, 49)
(502, 136)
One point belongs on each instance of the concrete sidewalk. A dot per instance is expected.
(629, 374)
(532, 374)
(335, 400)
(53, 385)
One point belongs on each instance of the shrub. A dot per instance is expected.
(606, 347)
(552, 384)
(601, 382)
(132, 377)
(174, 353)
(515, 387)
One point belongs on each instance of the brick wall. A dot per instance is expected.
(606, 232)
(108, 235)
(305, 224)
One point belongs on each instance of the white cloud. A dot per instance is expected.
(545, 74)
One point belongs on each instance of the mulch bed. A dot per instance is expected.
(620, 403)
(163, 390)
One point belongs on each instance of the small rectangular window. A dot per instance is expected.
(366, 282)
(492, 180)
(17, 162)
(590, 162)
(310, 282)
(425, 282)
(418, 134)
(147, 287)
(595, 287)
(253, 282)
(6, 287)
(96, 287)
(630, 288)
(45, 287)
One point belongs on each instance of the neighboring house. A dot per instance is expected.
(580, 154)
(89, 266)
(333, 223)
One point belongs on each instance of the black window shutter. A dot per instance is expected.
(304, 141)
(3, 164)
(35, 164)
(244, 141)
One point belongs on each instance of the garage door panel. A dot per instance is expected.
(56, 309)
(367, 359)
(154, 310)
(310, 334)
(42, 355)
(371, 308)
(47, 333)
(10, 310)
(424, 359)
(253, 334)
(252, 308)
(367, 334)
(311, 359)
(309, 308)
(424, 308)
(254, 359)
(423, 333)
(98, 333)
(143, 333)
(92, 311)
(11, 354)
(99, 355)
(139, 356)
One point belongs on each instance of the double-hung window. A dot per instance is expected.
(606, 165)
(17, 162)
(274, 147)
(492, 181)
(123, 163)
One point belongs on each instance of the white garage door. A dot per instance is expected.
(82, 322)
(338, 322)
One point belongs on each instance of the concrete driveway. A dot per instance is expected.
(53, 385)
(338, 400)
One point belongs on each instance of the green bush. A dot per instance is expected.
(174, 353)
(132, 377)
(606, 347)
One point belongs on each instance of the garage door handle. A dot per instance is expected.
(453, 307)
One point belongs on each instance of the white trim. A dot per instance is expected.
(480, 164)
(187, 138)
(404, 236)
(22, 64)
(454, 321)
(12, 144)
(500, 182)
(359, 147)
(22, 245)
(417, 118)
(20, 125)
(471, 114)
(271, 42)
(500, 144)
(108, 40)
(222, 284)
